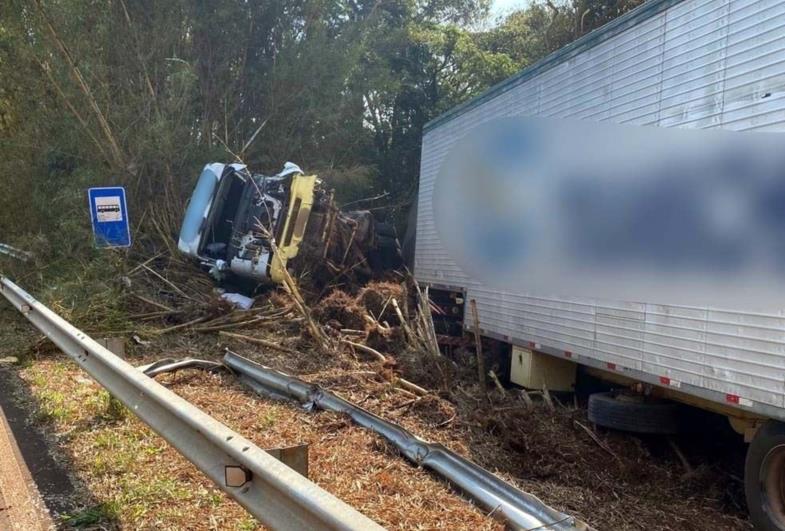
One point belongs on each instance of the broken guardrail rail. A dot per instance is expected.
(275, 494)
(13, 252)
(520, 509)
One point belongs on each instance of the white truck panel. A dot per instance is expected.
(671, 63)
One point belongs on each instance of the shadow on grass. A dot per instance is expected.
(67, 499)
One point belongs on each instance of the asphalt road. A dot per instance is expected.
(21, 506)
(33, 485)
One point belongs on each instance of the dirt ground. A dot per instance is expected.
(136, 481)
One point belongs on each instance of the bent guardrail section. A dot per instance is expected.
(275, 494)
(520, 509)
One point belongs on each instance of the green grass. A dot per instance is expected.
(268, 419)
(53, 407)
(154, 491)
(97, 514)
(121, 461)
(249, 524)
(112, 410)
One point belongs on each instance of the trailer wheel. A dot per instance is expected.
(633, 413)
(764, 477)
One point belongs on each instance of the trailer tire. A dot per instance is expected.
(633, 413)
(764, 477)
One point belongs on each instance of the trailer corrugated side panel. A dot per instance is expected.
(690, 63)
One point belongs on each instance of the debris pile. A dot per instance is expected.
(520, 509)
(377, 348)
(376, 298)
(340, 311)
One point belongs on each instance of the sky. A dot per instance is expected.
(499, 7)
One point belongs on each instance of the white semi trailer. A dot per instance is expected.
(700, 64)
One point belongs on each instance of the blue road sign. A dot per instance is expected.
(109, 214)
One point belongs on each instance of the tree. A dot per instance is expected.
(144, 93)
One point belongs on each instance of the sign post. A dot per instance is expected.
(109, 214)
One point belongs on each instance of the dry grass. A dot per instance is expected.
(145, 484)
(541, 451)
(141, 482)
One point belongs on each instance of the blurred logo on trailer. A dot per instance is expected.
(560, 207)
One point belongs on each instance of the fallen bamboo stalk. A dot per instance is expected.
(228, 326)
(376, 324)
(407, 331)
(478, 348)
(527, 399)
(166, 281)
(427, 317)
(689, 471)
(407, 404)
(353, 332)
(411, 387)
(404, 383)
(404, 392)
(496, 381)
(405, 297)
(241, 316)
(139, 266)
(365, 348)
(259, 341)
(349, 247)
(180, 326)
(424, 320)
(546, 396)
(313, 328)
(596, 439)
(323, 342)
(160, 313)
(386, 303)
(153, 303)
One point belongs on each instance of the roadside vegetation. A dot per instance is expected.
(144, 93)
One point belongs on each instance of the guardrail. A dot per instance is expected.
(13, 252)
(520, 509)
(275, 494)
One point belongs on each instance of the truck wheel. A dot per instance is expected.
(633, 413)
(764, 477)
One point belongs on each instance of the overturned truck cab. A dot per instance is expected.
(254, 226)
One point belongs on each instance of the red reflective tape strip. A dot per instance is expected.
(568, 353)
(531, 344)
(733, 399)
(612, 366)
(664, 380)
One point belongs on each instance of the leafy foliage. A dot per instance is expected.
(144, 93)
